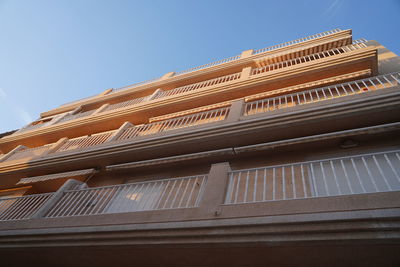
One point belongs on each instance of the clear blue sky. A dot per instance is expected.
(52, 52)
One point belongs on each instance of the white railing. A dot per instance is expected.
(199, 85)
(258, 51)
(368, 173)
(151, 195)
(86, 141)
(30, 127)
(29, 152)
(76, 116)
(176, 123)
(305, 59)
(81, 142)
(322, 94)
(42, 122)
(134, 85)
(79, 100)
(301, 40)
(214, 63)
(127, 103)
(19, 208)
(218, 62)
(361, 40)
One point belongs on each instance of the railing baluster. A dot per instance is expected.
(369, 174)
(381, 172)
(347, 177)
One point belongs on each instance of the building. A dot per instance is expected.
(286, 155)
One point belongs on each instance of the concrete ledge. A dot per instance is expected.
(326, 205)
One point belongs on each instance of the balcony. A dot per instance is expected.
(320, 94)
(360, 177)
(337, 38)
(223, 88)
(247, 109)
(176, 193)
(262, 51)
(126, 132)
(362, 174)
(22, 208)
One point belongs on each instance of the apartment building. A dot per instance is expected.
(286, 155)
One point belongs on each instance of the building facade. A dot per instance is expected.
(286, 155)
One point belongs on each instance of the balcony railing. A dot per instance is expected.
(29, 152)
(305, 59)
(258, 51)
(19, 208)
(134, 85)
(86, 141)
(322, 94)
(218, 62)
(151, 195)
(176, 123)
(77, 116)
(81, 142)
(127, 103)
(357, 44)
(297, 41)
(214, 63)
(199, 85)
(30, 127)
(368, 173)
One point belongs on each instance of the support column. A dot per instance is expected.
(76, 110)
(120, 130)
(246, 53)
(214, 192)
(68, 185)
(100, 109)
(155, 94)
(106, 92)
(245, 73)
(236, 111)
(55, 120)
(167, 75)
(55, 146)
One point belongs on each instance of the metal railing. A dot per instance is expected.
(199, 85)
(79, 100)
(297, 41)
(127, 103)
(151, 195)
(308, 58)
(218, 62)
(19, 208)
(81, 142)
(214, 63)
(176, 123)
(360, 174)
(76, 116)
(322, 94)
(30, 127)
(86, 141)
(29, 152)
(134, 85)
(258, 51)
(162, 94)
